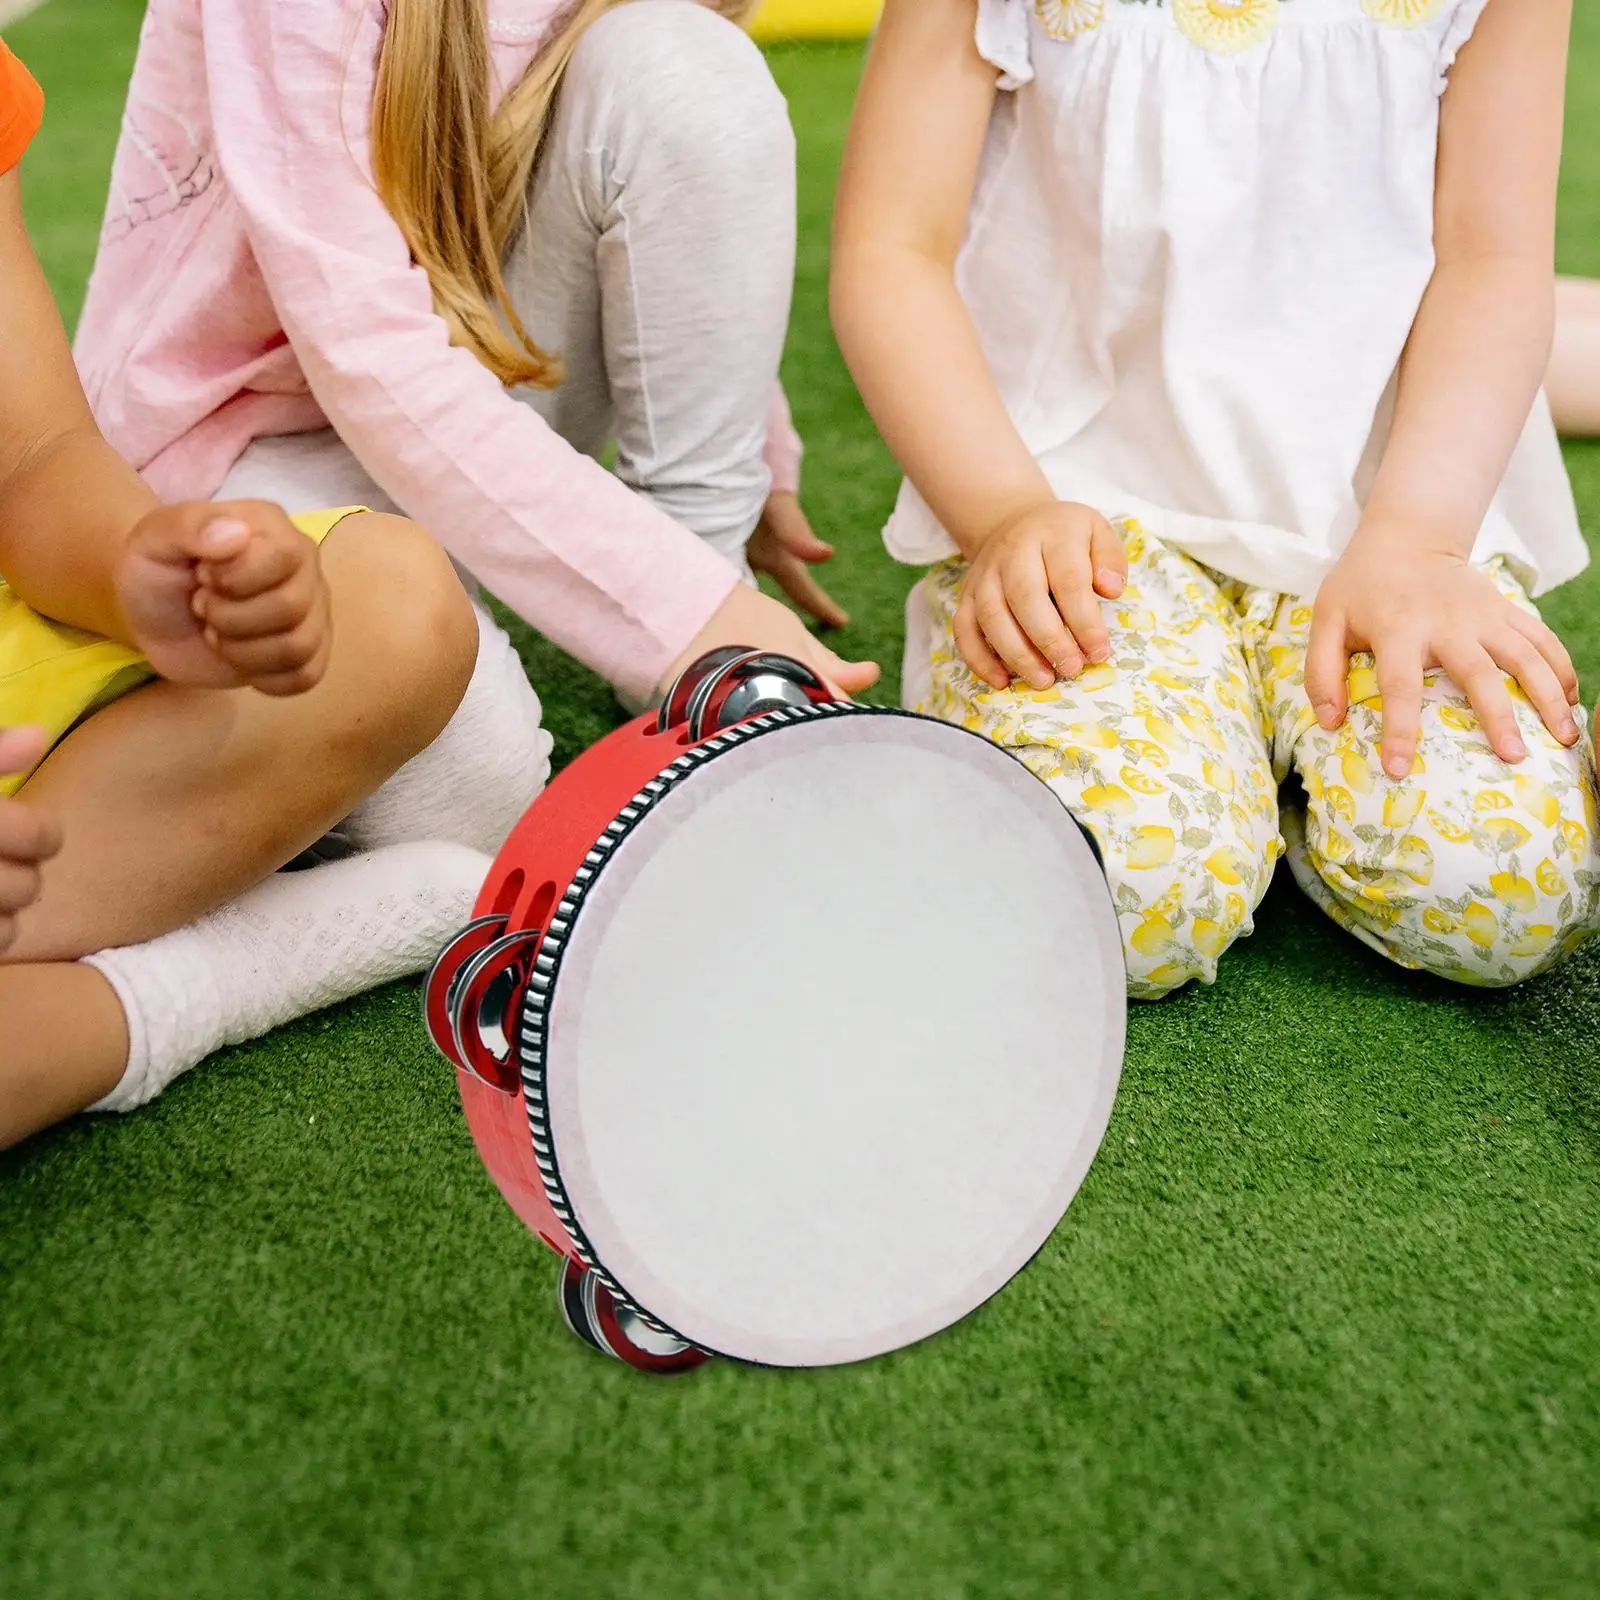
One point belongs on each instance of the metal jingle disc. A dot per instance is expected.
(675, 708)
(793, 669)
(443, 985)
(634, 1342)
(701, 695)
(572, 1300)
(488, 988)
(592, 1312)
(749, 688)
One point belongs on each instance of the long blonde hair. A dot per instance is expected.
(455, 176)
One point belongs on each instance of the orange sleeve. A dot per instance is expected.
(21, 109)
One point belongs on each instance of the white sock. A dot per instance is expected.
(292, 945)
(475, 781)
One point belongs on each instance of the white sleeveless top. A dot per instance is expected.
(1200, 237)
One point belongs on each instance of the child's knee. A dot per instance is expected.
(1490, 899)
(693, 82)
(1500, 920)
(399, 601)
(473, 783)
(1183, 900)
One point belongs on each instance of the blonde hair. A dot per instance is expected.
(455, 176)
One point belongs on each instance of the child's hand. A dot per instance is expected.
(754, 621)
(1031, 607)
(227, 596)
(784, 547)
(27, 839)
(1418, 609)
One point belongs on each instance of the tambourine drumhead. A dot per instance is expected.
(834, 1039)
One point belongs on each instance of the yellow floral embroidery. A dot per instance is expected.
(1226, 25)
(1067, 19)
(1402, 13)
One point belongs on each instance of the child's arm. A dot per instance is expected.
(909, 174)
(1573, 383)
(1473, 366)
(215, 596)
(904, 195)
(67, 500)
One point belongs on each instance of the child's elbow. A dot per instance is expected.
(857, 277)
(843, 283)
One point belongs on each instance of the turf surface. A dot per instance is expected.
(1324, 1322)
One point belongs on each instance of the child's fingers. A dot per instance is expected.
(1545, 640)
(1520, 657)
(179, 536)
(222, 538)
(21, 749)
(846, 677)
(19, 886)
(843, 678)
(1328, 667)
(27, 838)
(793, 576)
(1008, 638)
(263, 564)
(300, 680)
(233, 530)
(278, 610)
(1028, 596)
(1400, 674)
(1108, 560)
(791, 527)
(27, 835)
(975, 649)
(1477, 675)
(1070, 564)
(271, 550)
(277, 653)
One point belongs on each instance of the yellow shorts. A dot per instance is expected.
(53, 676)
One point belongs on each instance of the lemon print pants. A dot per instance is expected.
(1195, 760)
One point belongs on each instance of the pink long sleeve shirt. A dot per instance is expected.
(251, 282)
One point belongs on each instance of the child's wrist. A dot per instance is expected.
(997, 520)
(1396, 531)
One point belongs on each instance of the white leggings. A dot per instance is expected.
(658, 262)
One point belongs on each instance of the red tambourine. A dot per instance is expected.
(793, 1024)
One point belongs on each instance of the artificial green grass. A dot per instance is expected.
(1325, 1320)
